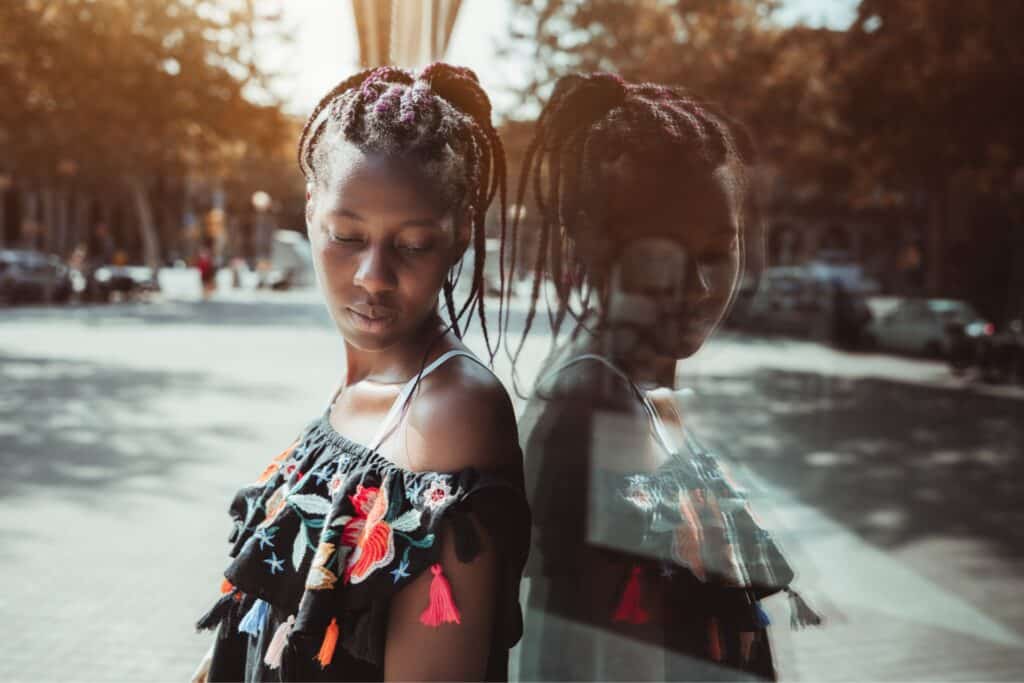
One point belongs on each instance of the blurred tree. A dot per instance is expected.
(728, 52)
(133, 93)
(931, 93)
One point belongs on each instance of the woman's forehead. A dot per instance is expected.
(358, 181)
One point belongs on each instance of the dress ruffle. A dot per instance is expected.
(332, 529)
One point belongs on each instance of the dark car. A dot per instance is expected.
(30, 276)
(128, 281)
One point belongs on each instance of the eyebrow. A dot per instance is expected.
(411, 223)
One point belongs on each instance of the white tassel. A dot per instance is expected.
(276, 648)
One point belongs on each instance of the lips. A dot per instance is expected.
(372, 318)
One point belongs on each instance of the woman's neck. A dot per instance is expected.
(395, 364)
(643, 365)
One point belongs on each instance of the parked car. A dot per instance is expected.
(27, 275)
(935, 327)
(128, 281)
(803, 301)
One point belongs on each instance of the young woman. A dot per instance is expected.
(647, 562)
(387, 541)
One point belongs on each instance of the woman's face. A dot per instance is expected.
(675, 262)
(381, 247)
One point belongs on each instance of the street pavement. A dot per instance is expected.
(125, 429)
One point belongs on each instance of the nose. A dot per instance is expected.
(374, 273)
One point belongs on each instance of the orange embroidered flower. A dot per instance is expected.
(275, 504)
(275, 464)
(320, 577)
(368, 534)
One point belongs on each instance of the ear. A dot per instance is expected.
(309, 206)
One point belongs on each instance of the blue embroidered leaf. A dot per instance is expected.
(407, 522)
(299, 548)
(425, 542)
(314, 505)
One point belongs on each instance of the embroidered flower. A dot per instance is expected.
(265, 536)
(638, 492)
(368, 534)
(401, 572)
(275, 464)
(276, 564)
(437, 494)
(334, 485)
(320, 577)
(275, 503)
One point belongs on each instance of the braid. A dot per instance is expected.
(595, 118)
(442, 118)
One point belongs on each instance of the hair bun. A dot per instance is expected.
(460, 87)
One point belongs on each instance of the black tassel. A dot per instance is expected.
(217, 613)
(800, 613)
(467, 541)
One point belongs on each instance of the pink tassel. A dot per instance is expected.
(714, 640)
(629, 609)
(442, 609)
(277, 643)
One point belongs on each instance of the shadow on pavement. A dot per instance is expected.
(83, 429)
(893, 462)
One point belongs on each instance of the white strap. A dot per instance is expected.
(660, 432)
(398, 407)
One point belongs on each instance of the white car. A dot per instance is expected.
(923, 326)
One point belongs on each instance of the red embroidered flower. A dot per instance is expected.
(368, 534)
(437, 494)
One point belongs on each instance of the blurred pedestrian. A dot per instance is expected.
(207, 268)
(647, 562)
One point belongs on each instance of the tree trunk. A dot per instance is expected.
(147, 226)
(935, 239)
(49, 222)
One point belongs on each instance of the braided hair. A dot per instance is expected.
(592, 120)
(441, 118)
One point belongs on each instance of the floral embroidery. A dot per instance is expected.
(638, 493)
(275, 464)
(275, 504)
(320, 577)
(276, 564)
(401, 571)
(334, 485)
(368, 534)
(438, 493)
(265, 536)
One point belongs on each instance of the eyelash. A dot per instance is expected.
(351, 241)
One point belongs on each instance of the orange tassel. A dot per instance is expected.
(629, 609)
(225, 586)
(442, 609)
(714, 640)
(326, 653)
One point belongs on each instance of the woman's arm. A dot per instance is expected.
(451, 651)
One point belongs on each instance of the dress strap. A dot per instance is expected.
(402, 400)
(657, 426)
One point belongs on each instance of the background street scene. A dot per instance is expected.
(162, 336)
(126, 429)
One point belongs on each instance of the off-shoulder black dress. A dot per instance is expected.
(325, 537)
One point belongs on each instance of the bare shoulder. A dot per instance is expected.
(461, 416)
